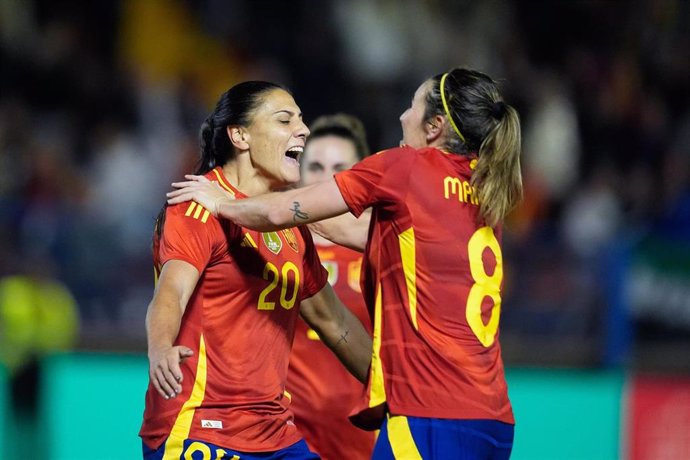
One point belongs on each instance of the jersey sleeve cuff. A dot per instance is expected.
(341, 182)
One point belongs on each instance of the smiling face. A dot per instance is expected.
(412, 119)
(325, 156)
(276, 138)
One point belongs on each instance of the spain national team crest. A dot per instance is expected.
(272, 242)
(291, 239)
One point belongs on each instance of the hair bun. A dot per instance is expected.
(498, 109)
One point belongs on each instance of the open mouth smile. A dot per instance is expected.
(294, 153)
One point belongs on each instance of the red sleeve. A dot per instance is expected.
(315, 276)
(377, 179)
(187, 238)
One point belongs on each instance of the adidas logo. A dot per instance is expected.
(211, 424)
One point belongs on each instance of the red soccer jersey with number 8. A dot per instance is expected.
(433, 274)
(240, 322)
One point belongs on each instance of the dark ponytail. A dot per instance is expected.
(482, 123)
(234, 108)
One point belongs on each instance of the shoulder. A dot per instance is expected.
(189, 211)
(404, 151)
(396, 157)
(191, 216)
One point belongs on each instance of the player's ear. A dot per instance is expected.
(239, 137)
(434, 127)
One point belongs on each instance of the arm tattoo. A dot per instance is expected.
(343, 338)
(297, 212)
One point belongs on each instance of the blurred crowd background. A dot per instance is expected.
(100, 105)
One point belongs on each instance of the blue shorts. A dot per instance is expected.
(200, 450)
(411, 438)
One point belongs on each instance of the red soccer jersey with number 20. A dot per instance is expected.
(433, 273)
(240, 322)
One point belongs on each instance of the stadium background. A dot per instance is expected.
(100, 103)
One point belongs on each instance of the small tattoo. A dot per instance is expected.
(298, 214)
(343, 338)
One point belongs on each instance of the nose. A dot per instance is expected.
(402, 115)
(302, 130)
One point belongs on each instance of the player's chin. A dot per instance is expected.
(291, 174)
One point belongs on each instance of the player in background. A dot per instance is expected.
(323, 392)
(222, 318)
(433, 266)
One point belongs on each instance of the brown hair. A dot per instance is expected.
(487, 126)
(342, 125)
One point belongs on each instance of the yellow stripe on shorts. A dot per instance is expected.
(401, 440)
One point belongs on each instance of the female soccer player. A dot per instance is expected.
(433, 267)
(223, 314)
(323, 392)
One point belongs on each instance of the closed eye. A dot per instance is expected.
(315, 167)
(340, 167)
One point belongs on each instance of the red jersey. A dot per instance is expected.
(323, 391)
(240, 322)
(432, 275)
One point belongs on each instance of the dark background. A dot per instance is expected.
(100, 104)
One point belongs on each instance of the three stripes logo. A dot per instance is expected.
(197, 211)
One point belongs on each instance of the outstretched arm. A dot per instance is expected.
(339, 329)
(345, 230)
(272, 211)
(176, 284)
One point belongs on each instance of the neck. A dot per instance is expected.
(244, 177)
(438, 143)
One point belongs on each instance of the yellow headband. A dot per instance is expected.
(445, 107)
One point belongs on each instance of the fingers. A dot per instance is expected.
(185, 352)
(162, 379)
(197, 178)
(175, 374)
(181, 197)
(185, 184)
(166, 374)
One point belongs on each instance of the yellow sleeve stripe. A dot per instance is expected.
(194, 211)
(190, 209)
(287, 395)
(407, 254)
(205, 216)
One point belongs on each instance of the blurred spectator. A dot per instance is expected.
(99, 103)
(38, 315)
(552, 142)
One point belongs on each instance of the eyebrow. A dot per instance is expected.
(289, 112)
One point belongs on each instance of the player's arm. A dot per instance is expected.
(268, 212)
(176, 284)
(339, 329)
(345, 230)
